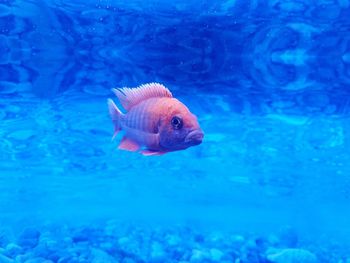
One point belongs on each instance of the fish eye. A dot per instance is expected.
(176, 122)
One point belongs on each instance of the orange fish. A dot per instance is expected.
(155, 123)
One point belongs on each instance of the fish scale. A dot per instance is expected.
(135, 116)
(143, 125)
(141, 110)
(138, 116)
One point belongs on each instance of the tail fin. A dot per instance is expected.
(115, 114)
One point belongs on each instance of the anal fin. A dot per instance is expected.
(149, 153)
(128, 145)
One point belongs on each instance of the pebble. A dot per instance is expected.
(99, 256)
(288, 237)
(137, 244)
(24, 257)
(13, 249)
(5, 236)
(107, 246)
(157, 253)
(67, 260)
(216, 254)
(29, 238)
(237, 240)
(30, 233)
(38, 260)
(82, 235)
(292, 255)
(173, 240)
(199, 256)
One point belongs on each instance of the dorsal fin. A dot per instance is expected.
(130, 97)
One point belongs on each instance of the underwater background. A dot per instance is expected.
(270, 84)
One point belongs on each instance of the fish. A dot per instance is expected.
(155, 122)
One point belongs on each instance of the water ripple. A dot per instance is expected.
(232, 44)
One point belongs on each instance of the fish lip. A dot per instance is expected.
(194, 137)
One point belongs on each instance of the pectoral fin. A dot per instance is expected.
(128, 145)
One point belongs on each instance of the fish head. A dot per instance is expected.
(179, 128)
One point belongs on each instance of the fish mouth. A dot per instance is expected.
(194, 137)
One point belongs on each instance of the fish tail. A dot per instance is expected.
(115, 114)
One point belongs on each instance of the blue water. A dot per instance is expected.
(270, 84)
